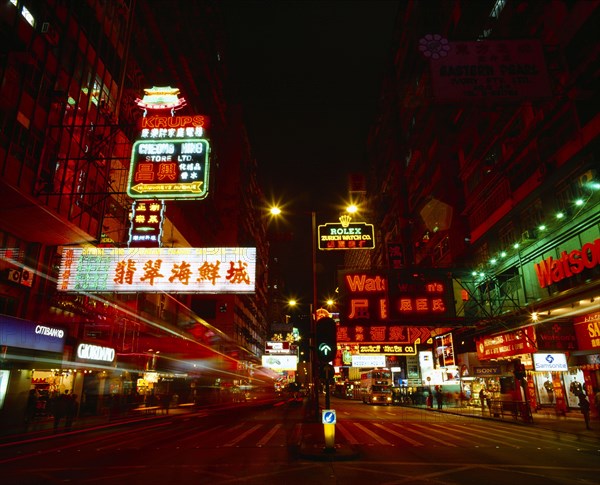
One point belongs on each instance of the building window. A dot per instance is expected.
(507, 236)
(532, 216)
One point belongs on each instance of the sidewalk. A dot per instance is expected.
(572, 422)
(43, 428)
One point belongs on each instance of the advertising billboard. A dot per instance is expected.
(170, 270)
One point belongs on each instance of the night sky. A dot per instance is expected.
(308, 76)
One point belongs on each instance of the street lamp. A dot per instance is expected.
(314, 361)
(314, 365)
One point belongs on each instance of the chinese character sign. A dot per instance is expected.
(171, 270)
(490, 69)
(420, 296)
(169, 169)
(364, 296)
(402, 297)
(146, 223)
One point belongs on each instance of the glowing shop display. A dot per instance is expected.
(171, 270)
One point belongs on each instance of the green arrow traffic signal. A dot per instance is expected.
(326, 339)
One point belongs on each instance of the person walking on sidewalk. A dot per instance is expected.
(584, 404)
(71, 406)
(31, 408)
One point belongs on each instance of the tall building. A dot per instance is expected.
(73, 80)
(485, 164)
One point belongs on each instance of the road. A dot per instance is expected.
(264, 444)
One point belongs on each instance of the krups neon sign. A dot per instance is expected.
(95, 352)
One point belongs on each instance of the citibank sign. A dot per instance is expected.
(95, 352)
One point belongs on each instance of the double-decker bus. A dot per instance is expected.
(376, 386)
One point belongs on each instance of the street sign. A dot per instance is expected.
(328, 416)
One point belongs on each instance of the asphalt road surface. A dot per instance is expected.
(273, 444)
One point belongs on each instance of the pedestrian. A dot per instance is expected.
(59, 408)
(31, 408)
(71, 406)
(165, 401)
(439, 397)
(482, 399)
(584, 404)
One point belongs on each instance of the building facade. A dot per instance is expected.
(484, 163)
(72, 75)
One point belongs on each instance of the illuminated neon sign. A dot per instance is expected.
(346, 235)
(95, 352)
(396, 297)
(552, 270)
(170, 270)
(146, 223)
(169, 169)
(159, 98)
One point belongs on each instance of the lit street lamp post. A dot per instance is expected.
(313, 318)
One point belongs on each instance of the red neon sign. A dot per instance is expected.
(552, 270)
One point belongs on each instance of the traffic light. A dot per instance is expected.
(326, 339)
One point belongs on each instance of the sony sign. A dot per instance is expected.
(95, 352)
(550, 362)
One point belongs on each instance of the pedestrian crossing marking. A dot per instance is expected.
(346, 434)
(264, 440)
(429, 435)
(399, 435)
(373, 435)
(242, 436)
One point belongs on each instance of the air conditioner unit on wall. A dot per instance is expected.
(27, 277)
(586, 178)
(14, 275)
(527, 236)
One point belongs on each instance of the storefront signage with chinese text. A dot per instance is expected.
(170, 270)
(587, 330)
(169, 169)
(146, 223)
(507, 344)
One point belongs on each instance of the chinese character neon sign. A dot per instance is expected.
(171, 270)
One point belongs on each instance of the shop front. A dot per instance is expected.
(31, 358)
(586, 361)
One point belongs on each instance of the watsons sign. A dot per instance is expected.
(95, 352)
(552, 270)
